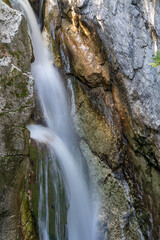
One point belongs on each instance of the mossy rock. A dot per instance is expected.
(7, 2)
(27, 222)
(39, 155)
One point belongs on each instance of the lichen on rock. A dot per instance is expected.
(99, 143)
(124, 35)
(27, 223)
(17, 103)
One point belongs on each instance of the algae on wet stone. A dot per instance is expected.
(40, 157)
(7, 2)
(27, 223)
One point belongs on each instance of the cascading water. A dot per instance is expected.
(59, 137)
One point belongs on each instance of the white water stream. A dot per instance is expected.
(59, 136)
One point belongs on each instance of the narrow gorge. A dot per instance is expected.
(80, 120)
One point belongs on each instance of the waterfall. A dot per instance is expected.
(59, 137)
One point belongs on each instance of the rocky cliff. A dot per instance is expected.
(105, 49)
(16, 105)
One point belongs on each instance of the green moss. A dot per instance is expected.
(23, 90)
(16, 54)
(27, 222)
(34, 184)
(52, 207)
(10, 83)
(7, 2)
(35, 199)
(36, 156)
(21, 108)
(33, 153)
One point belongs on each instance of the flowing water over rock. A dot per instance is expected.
(59, 137)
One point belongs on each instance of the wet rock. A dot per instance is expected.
(86, 63)
(79, 45)
(129, 33)
(99, 131)
(17, 102)
(117, 218)
(102, 136)
(99, 143)
(134, 2)
(51, 25)
(35, 4)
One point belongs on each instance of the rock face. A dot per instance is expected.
(100, 143)
(107, 47)
(16, 105)
(104, 48)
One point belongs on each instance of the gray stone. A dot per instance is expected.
(17, 102)
(129, 33)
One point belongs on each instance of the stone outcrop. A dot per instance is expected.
(107, 47)
(93, 70)
(16, 105)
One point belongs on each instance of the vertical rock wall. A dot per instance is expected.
(16, 105)
(105, 48)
